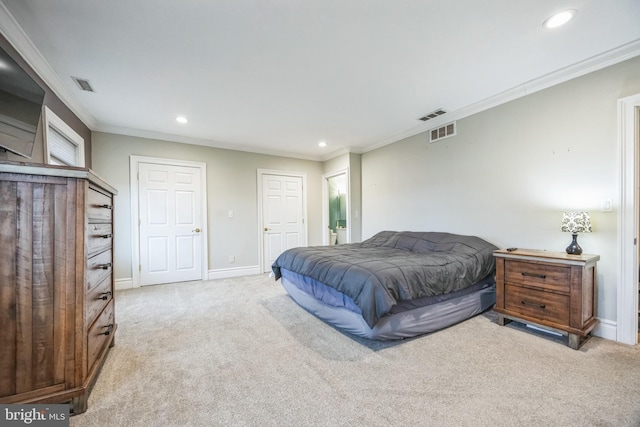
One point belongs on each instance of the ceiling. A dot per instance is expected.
(278, 77)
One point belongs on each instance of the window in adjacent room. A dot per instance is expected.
(62, 145)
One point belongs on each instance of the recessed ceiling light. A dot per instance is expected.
(182, 119)
(559, 19)
(322, 144)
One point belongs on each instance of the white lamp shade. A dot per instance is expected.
(576, 222)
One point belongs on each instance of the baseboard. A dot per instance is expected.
(606, 329)
(126, 283)
(221, 273)
(225, 273)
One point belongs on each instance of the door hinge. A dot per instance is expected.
(139, 222)
(635, 240)
(139, 267)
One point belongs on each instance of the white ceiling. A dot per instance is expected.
(278, 76)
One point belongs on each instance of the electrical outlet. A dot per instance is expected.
(232, 259)
(606, 206)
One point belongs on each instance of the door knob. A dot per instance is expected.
(197, 230)
(267, 229)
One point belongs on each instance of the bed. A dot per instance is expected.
(394, 285)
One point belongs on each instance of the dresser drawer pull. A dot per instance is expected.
(109, 329)
(105, 296)
(539, 276)
(103, 266)
(104, 206)
(106, 236)
(533, 304)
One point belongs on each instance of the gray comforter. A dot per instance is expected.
(393, 266)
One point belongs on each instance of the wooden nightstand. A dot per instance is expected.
(553, 290)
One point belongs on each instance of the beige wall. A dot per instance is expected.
(511, 171)
(231, 185)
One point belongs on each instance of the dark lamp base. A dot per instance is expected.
(574, 248)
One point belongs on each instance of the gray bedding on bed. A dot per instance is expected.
(393, 266)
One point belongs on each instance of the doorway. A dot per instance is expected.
(336, 208)
(629, 218)
(169, 219)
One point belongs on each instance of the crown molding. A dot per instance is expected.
(589, 65)
(15, 35)
(147, 134)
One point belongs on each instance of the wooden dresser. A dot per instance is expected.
(549, 289)
(56, 283)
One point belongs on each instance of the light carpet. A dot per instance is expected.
(240, 352)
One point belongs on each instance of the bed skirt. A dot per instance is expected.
(395, 326)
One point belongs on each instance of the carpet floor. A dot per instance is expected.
(240, 352)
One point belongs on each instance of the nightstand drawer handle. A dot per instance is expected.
(539, 276)
(533, 304)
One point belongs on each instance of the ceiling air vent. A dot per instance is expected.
(83, 84)
(432, 115)
(442, 132)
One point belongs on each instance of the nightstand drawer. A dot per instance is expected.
(537, 305)
(547, 276)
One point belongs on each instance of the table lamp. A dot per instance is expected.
(574, 223)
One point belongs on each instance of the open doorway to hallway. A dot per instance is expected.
(336, 201)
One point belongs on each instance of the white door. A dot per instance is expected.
(170, 209)
(283, 215)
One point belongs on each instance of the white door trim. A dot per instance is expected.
(628, 217)
(325, 203)
(134, 162)
(260, 174)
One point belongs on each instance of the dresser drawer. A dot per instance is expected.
(98, 268)
(98, 238)
(99, 206)
(537, 305)
(99, 334)
(546, 276)
(96, 300)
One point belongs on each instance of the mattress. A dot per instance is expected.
(404, 322)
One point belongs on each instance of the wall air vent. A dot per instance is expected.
(432, 115)
(442, 132)
(83, 84)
